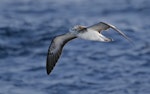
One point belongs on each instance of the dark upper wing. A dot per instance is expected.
(99, 26)
(104, 26)
(55, 50)
(53, 55)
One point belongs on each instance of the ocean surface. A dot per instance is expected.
(85, 67)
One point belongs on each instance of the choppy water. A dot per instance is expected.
(85, 67)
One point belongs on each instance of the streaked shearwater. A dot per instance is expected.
(89, 33)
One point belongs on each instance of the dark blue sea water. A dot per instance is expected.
(85, 67)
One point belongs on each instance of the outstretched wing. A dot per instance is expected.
(53, 55)
(104, 26)
(99, 27)
(55, 50)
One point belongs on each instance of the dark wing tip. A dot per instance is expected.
(52, 60)
(48, 71)
(49, 68)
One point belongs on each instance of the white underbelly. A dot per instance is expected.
(91, 35)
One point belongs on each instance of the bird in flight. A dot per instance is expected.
(88, 33)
